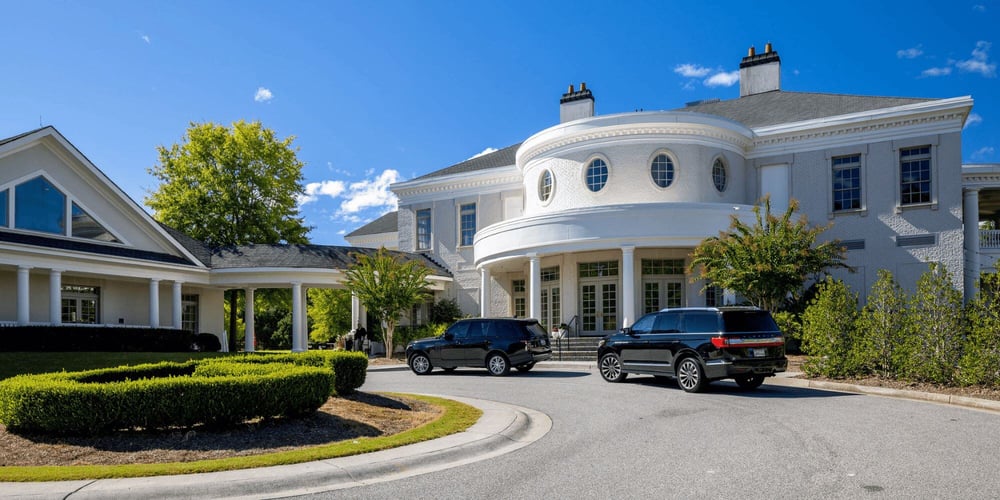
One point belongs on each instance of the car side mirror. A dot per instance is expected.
(627, 330)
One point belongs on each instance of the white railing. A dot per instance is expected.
(989, 238)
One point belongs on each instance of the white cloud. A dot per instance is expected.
(263, 95)
(485, 152)
(691, 70)
(973, 119)
(314, 190)
(979, 7)
(930, 72)
(146, 39)
(723, 79)
(911, 53)
(980, 62)
(983, 153)
(370, 194)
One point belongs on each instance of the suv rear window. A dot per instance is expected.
(748, 321)
(537, 330)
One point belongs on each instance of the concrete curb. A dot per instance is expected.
(502, 429)
(789, 380)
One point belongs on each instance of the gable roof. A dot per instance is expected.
(75, 245)
(388, 223)
(500, 158)
(772, 108)
(305, 256)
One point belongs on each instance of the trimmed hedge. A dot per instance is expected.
(70, 338)
(161, 395)
(349, 368)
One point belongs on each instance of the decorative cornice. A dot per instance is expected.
(454, 183)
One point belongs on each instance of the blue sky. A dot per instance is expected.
(377, 92)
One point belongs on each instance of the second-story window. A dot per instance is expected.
(424, 229)
(915, 175)
(597, 175)
(719, 177)
(545, 186)
(662, 170)
(467, 222)
(846, 183)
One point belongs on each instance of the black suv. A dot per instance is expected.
(697, 345)
(493, 343)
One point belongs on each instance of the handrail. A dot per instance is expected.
(989, 238)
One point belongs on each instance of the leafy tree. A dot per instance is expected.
(330, 312)
(768, 261)
(980, 362)
(934, 334)
(880, 327)
(230, 186)
(387, 285)
(445, 311)
(828, 330)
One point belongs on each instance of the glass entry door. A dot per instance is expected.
(599, 307)
(661, 293)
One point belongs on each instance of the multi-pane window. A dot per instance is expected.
(189, 313)
(662, 266)
(713, 296)
(84, 226)
(424, 229)
(545, 186)
(551, 313)
(468, 223)
(598, 269)
(915, 175)
(847, 183)
(3, 208)
(597, 175)
(520, 301)
(80, 304)
(719, 175)
(662, 170)
(39, 206)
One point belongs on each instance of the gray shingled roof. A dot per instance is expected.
(500, 158)
(200, 250)
(772, 108)
(388, 223)
(304, 256)
(75, 245)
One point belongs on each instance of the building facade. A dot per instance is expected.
(590, 223)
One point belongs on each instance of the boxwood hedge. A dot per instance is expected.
(219, 391)
(349, 368)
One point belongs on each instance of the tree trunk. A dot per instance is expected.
(390, 327)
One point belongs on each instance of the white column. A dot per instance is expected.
(177, 305)
(355, 311)
(23, 292)
(535, 287)
(485, 292)
(154, 303)
(970, 216)
(296, 317)
(628, 285)
(249, 337)
(55, 297)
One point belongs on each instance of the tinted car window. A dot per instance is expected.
(479, 330)
(701, 322)
(537, 330)
(645, 324)
(506, 330)
(748, 321)
(459, 330)
(668, 323)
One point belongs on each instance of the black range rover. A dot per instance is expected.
(696, 346)
(496, 344)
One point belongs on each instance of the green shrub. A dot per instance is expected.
(980, 362)
(935, 329)
(790, 325)
(828, 330)
(445, 311)
(881, 326)
(349, 368)
(160, 395)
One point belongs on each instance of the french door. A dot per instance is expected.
(599, 307)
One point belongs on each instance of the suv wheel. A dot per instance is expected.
(526, 367)
(750, 381)
(420, 364)
(497, 365)
(611, 368)
(690, 376)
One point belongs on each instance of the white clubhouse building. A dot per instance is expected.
(589, 222)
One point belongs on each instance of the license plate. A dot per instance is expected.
(758, 352)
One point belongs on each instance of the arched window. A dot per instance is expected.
(719, 177)
(662, 170)
(545, 186)
(597, 175)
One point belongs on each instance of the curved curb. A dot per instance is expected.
(502, 429)
(964, 401)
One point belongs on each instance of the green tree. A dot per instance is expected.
(880, 327)
(230, 186)
(387, 285)
(330, 312)
(767, 261)
(935, 328)
(828, 330)
(981, 360)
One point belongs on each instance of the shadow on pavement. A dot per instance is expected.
(729, 387)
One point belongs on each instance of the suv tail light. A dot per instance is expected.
(723, 342)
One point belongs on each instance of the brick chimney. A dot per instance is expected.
(760, 72)
(576, 104)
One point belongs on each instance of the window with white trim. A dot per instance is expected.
(719, 175)
(545, 186)
(189, 313)
(662, 170)
(424, 229)
(915, 175)
(467, 223)
(846, 182)
(519, 298)
(80, 304)
(597, 175)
